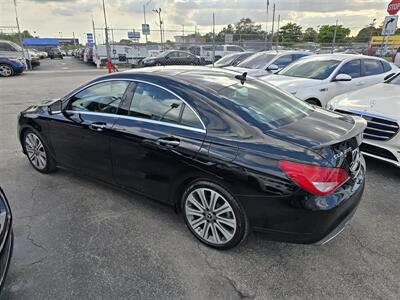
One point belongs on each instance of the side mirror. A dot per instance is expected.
(273, 68)
(167, 57)
(55, 108)
(342, 77)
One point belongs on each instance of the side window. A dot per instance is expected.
(184, 55)
(352, 68)
(232, 48)
(154, 103)
(283, 61)
(173, 54)
(190, 119)
(6, 47)
(372, 67)
(219, 48)
(386, 66)
(103, 97)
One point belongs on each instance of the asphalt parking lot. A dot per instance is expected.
(76, 238)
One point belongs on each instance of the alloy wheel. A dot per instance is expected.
(5, 70)
(35, 150)
(210, 216)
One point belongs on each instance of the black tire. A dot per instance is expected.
(313, 102)
(242, 224)
(50, 165)
(6, 70)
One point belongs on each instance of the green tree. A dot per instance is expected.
(247, 26)
(326, 33)
(290, 33)
(310, 35)
(364, 34)
(14, 37)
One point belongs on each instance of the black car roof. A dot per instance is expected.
(211, 78)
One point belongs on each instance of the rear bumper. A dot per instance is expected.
(293, 220)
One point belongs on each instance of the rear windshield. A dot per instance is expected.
(257, 61)
(265, 105)
(313, 69)
(226, 59)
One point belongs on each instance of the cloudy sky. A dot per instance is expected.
(52, 18)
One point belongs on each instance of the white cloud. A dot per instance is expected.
(49, 17)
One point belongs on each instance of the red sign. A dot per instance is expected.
(393, 7)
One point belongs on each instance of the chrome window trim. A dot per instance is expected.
(146, 82)
(136, 119)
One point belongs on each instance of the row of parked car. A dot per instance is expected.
(14, 59)
(324, 80)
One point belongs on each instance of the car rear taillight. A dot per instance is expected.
(317, 180)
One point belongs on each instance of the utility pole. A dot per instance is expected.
(266, 27)
(183, 34)
(144, 17)
(334, 37)
(158, 11)
(277, 33)
(273, 25)
(20, 37)
(73, 36)
(94, 33)
(109, 63)
(213, 56)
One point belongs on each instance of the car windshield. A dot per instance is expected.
(257, 61)
(395, 80)
(16, 46)
(313, 69)
(264, 105)
(226, 60)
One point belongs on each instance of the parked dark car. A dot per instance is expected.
(55, 53)
(172, 57)
(6, 237)
(10, 67)
(232, 59)
(232, 153)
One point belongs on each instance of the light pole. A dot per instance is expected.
(158, 11)
(26, 55)
(334, 37)
(109, 63)
(144, 16)
(266, 27)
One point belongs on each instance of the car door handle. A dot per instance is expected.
(97, 126)
(168, 143)
(360, 84)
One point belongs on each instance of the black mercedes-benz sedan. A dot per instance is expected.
(230, 152)
(6, 237)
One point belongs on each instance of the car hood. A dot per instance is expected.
(321, 128)
(291, 84)
(382, 99)
(250, 72)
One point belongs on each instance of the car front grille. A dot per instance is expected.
(378, 128)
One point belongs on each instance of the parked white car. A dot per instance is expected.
(397, 58)
(380, 106)
(268, 62)
(319, 78)
(206, 51)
